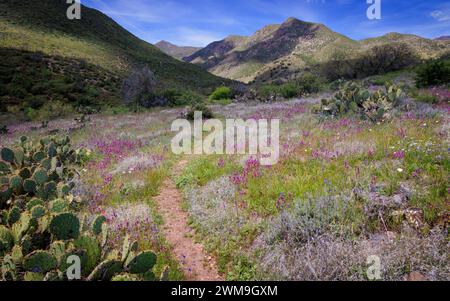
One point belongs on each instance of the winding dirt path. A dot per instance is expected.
(196, 263)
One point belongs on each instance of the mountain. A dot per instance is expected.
(443, 38)
(280, 50)
(178, 52)
(69, 48)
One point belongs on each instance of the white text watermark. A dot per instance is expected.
(237, 137)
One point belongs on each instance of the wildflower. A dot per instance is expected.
(416, 173)
(221, 163)
(398, 155)
(400, 170)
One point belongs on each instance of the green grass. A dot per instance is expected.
(204, 169)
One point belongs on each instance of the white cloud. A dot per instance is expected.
(440, 15)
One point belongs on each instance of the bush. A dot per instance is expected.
(49, 111)
(185, 98)
(19, 92)
(308, 83)
(35, 102)
(267, 91)
(221, 93)
(199, 107)
(433, 73)
(289, 90)
(377, 60)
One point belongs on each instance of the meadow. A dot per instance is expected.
(344, 189)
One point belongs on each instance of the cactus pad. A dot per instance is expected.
(40, 176)
(7, 155)
(97, 224)
(6, 240)
(39, 262)
(37, 211)
(29, 186)
(65, 226)
(141, 263)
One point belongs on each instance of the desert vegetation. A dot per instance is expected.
(87, 170)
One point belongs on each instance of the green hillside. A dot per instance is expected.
(41, 27)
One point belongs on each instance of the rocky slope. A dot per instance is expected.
(279, 50)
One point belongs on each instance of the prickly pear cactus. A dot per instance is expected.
(65, 226)
(39, 262)
(141, 263)
(39, 224)
(354, 99)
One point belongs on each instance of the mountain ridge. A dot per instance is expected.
(293, 45)
(178, 52)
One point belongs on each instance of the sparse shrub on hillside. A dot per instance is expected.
(35, 101)
(199, 107)
(353, 98)
(50, 110)
(30, 80)
(267, 91)
(308, 84)
(433, 73)
(273, 92)
(289, 90)
(171, 97)
(183, 98)
(304, 85)
(377, 60)
(386, 58)
(221, 93)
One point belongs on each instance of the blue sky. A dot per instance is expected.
(199, 22)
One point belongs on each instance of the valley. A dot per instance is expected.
(90, 114)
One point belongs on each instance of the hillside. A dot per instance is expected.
(41, 28)
(443, 38)
(278, 51)
(178, 52)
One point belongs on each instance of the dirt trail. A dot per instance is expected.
(196, 263)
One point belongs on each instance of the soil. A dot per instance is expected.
(194, 260)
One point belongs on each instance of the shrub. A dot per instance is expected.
(375, 61)
(141, 82)
(35, 102)
(267, 91)
(19, 92)
(177, 98)
(289, 90)
(49, 111)
(308, 83)
(199, 107)
(221, 93)
(433, 73)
